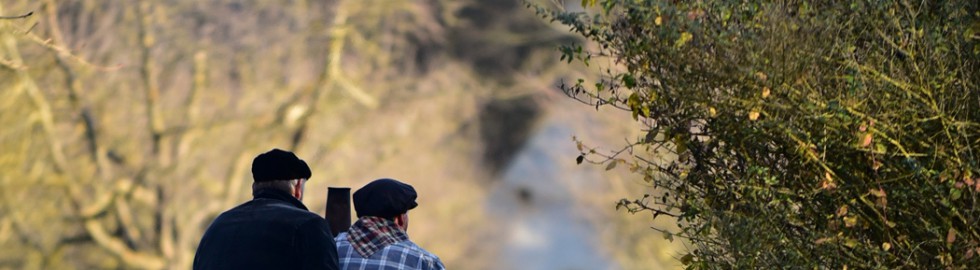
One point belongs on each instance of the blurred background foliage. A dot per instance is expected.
(129, 125)
(795, 134)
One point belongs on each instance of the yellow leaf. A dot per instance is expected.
(765, 92)
(761, 76)
(828, 182)
(886, 246)
(685, 37)
(658, 20)
(753, 115)
(712, 112)
(850, 221)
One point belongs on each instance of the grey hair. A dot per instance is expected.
(283, 185)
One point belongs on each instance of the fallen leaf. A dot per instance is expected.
(867, 140)
(765, 92)
(695, 14)
(658, 20)
(951, 236)
(685, 37)
(828, 182)
(753, 115)
(886, 246)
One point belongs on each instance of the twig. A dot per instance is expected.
(17, 17)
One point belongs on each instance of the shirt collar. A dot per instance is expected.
(371, 234)
(275, 194)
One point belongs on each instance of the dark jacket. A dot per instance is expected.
(272, 231)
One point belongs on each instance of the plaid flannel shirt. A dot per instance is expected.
(377, 244)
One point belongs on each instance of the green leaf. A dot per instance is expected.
(611, 165)
(629, 81)
(680, 143)
(687, 259)
(955, 194)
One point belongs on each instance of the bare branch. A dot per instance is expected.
(17, 17)
(117, 247)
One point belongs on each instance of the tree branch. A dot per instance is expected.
(97, 152)
(17, 17)
(117, 247)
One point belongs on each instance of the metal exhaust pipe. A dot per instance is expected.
(338, 209)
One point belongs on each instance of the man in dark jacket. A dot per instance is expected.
(274, 230)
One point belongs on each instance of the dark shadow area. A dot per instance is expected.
(505, 126)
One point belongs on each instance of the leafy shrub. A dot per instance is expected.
(807, 134)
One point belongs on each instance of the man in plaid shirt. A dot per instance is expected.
(378, 238)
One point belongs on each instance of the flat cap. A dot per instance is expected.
(384, 198)
(278, 164)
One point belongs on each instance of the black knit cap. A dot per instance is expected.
(279, 165)
(385, 198)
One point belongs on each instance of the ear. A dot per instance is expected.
(402, 221)
(298, 189)
(399, 221)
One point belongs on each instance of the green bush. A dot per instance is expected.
(802, 134)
